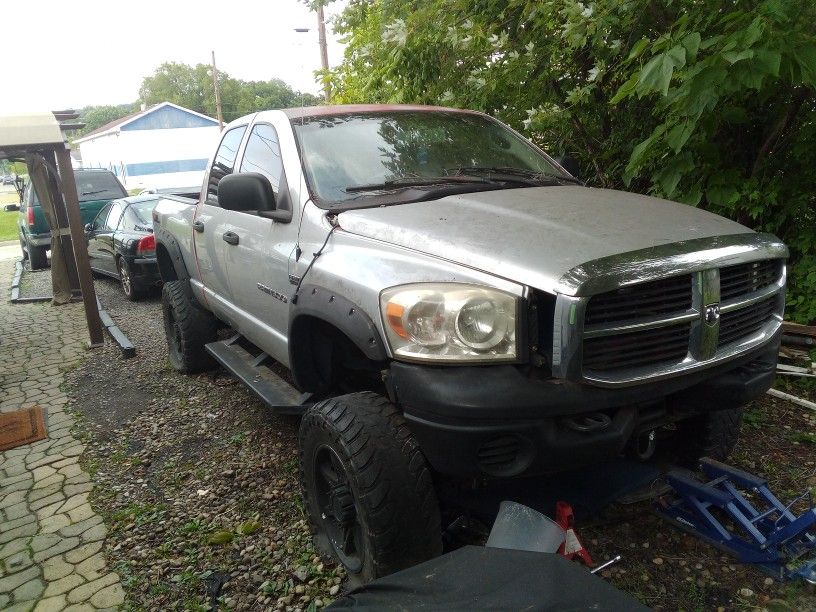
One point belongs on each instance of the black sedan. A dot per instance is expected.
(121, 244)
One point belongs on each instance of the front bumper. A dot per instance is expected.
(496, 421)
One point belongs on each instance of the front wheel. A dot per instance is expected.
(711, 434)
(188, 329)
(368, 490)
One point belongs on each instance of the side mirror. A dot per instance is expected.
(246, 191)
(569, 163)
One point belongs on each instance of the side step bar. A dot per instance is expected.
(252, 370)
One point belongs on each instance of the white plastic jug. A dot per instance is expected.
(522, 528)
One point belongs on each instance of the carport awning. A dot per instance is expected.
(19, 133)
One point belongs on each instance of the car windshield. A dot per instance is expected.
(350, 158)
(98, 186)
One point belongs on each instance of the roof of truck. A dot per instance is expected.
(354, 109)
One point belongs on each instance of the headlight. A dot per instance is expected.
(449, 322)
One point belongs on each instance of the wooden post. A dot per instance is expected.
(61, 216)
(83, 264)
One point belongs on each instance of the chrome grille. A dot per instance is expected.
(660, 345)
(740, 323)
(650, 299)
(663, 326)
(747, 278)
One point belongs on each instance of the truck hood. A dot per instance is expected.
(536, 235)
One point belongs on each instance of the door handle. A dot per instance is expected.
(198, 226)
(230, 237)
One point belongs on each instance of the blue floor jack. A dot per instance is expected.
(764, 531)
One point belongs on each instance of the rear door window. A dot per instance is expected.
(224, 162)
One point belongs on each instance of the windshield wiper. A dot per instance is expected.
(92, 192)
(416, 181)
(530, 177)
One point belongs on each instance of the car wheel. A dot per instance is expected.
(23, 249)
(38, 257)
(130, 287)
(187, 327)
(367, 487)
(711, 434)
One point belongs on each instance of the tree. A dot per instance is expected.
(712, 103)
(192, 87)
(95, 117)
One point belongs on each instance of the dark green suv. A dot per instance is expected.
(95, 189)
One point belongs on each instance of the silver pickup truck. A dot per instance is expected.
(442, 302)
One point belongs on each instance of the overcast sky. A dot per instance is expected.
(97, 52)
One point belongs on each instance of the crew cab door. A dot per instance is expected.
(258, 256)
(210, 224)
(101, 250)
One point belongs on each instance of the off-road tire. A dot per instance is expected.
(130, 287)
(391, 484)
(187, 327)
(711, 434)
(37, 257)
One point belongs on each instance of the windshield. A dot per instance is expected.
(343, 155)
(98, 186)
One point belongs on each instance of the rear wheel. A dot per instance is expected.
(369, 492)
(132, 290)
(38, 257)
(187, 327)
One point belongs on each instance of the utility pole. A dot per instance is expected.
(219, 114)
(324, 52)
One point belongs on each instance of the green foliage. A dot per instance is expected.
(192, 87)
(95, 117)
(711, 103)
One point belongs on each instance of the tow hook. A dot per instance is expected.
(585, 423)
(644, 446)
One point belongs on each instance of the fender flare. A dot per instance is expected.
(339, 312)
(167, 240)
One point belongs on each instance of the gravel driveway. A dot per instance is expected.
(198, 484)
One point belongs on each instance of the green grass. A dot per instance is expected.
(8, 225)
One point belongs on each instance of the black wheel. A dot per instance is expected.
(132, 290)
(187, 327)
(368, 490)
(711, 434)
(23, 249)
(37, 256)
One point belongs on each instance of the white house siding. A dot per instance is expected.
(166, 157)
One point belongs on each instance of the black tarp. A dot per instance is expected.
(480, 578)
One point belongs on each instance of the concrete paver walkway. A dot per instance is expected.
(50, 538)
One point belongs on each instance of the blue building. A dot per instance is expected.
(164, 146)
